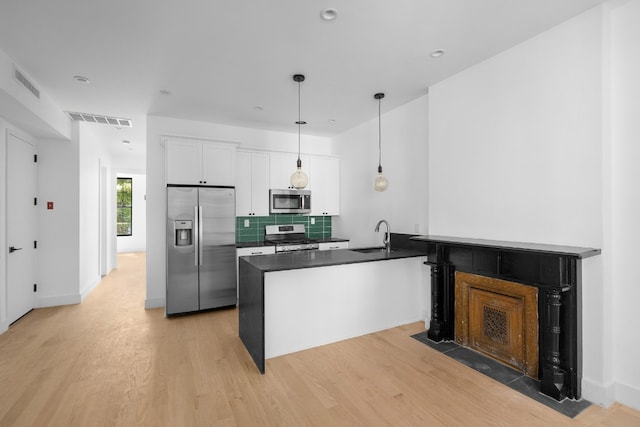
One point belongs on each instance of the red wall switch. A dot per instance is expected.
(49, 205)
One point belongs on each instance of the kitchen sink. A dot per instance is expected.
(371, 250)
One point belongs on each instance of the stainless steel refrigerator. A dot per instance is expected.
(201, 248)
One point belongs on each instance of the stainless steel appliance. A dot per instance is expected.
(289, 201)
(201, 248)
(288, 238)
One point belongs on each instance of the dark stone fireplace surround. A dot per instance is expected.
(554, 270)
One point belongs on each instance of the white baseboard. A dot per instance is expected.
(154, 303)
(56, 300)
(613, 392)
(87, 289)
(4, 327)
(628, 395)
(597, 393)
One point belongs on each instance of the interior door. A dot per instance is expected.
(21, 227)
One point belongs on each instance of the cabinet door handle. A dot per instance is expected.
(256, 253)
(12, 249)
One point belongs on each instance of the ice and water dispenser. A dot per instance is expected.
(183, 232)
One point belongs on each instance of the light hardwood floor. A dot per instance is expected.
(109, 362)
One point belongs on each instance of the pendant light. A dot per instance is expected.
(299, 179)
(381, 183)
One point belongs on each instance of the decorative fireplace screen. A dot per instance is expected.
(498, 318)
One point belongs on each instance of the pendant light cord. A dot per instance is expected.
(299, 122)
(379, 135)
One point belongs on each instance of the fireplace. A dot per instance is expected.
(555, 274)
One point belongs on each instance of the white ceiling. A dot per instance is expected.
(221, 59)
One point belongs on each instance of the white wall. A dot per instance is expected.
(3, 221)
(41, 117)
(137, 242)
(58, 232)
(515, 142)
(625, 199)
(539, 144)
(93, 155)
(156, 184)
(404, 164)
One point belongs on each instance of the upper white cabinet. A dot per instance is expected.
(197, 161)
(282, 166)
(252, 183)
(324, 183)
(324, 179)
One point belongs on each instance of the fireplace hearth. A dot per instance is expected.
(553, 271)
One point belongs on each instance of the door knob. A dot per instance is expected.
(12, 249)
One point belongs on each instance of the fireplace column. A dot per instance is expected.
(436, 326)
(553, 381)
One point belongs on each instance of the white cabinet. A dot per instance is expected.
(329, 246)
(195, 161)
(255, 250)
(324, 179)
(251, 251)
(281, 166)
(252, 183)
(324, 183)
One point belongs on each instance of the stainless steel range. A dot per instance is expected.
(288, 238)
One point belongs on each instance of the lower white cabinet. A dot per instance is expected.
(255, 250)
(250, 251)
(329, 246)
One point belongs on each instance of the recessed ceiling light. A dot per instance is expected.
(437, 53)
(329, 14)
(165, 92)
(81, 79)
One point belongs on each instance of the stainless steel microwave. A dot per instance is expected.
(289, 201)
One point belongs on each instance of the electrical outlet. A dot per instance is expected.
(313, 221)
(246, 223)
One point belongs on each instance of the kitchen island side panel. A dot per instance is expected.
(312, 307)
(251, 311)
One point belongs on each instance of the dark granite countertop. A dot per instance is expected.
(310, 259)
(575, 251)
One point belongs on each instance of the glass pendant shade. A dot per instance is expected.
(381, 183)
(299, 179)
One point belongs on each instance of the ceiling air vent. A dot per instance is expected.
(24, 81)
(94, 118)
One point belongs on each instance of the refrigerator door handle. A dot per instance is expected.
(196, 233)
(200, 237)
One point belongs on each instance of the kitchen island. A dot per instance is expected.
(299, 300)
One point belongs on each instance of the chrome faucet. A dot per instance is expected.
(387, 236)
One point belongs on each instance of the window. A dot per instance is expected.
(124, 196)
